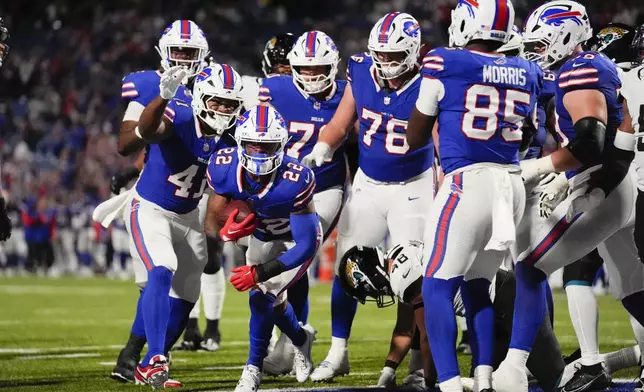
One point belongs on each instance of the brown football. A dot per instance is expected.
(243, 207)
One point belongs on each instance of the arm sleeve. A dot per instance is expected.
(431, 92)
(307, 237)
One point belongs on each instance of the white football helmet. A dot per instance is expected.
(314, 48)
(396, 32)
(261, 135)
(514, 45)
(488, 20)
(220, 83)
(188, 37)
(553, 30)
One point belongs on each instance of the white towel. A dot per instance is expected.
(105, 212)
(503, 228)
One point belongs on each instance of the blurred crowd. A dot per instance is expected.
(59, 90)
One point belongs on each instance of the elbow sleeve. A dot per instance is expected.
(588, 145)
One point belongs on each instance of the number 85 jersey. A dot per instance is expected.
(482, 100)
(383, 114)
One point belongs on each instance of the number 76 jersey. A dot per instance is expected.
(483, 100)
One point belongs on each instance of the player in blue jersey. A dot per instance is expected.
(480, 99)
(600, 205)
(390, 190)
(307, 101)
(182, 43)
(167, 235)
(285, 230)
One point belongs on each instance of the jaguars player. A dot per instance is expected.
(307, 100)
(600, 206)
(182, 43)
(167, 235)
(285, 235)
(391, 191)
(5, 223)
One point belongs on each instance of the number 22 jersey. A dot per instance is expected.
(383, 114)
(486, 97)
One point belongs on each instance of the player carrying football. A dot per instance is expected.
(307, 101)
(392, 189)
(285, 234)
(480, 99)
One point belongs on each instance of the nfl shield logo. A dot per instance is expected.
(317, 106)
(387, 100)
(206, 147)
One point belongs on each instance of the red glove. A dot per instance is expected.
(243, 277)
(233, 231)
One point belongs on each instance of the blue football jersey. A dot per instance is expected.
(290, 190)
(547, 94)
(174, 175)
(306, 118)
(143, 87)
(588, 71)
(487, 98)
(384, 154)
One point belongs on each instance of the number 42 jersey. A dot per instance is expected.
(483, 101)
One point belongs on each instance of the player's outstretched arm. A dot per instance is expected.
(335, 132)
(153, 126)
(129, 143)
(423, 117)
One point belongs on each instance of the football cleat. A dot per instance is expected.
(280, 360)
(639, 385)
(155, 374)
(250, 379)
(588, 378)
(387, 378)
(568, 359)
(415, 381)
(302, 361)
(509, 377)
(125, 366)
(331, 367)
(211, 338)
(192, 339)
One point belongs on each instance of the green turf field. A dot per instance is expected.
(64, 335)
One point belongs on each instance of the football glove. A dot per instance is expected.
(244, 277)
(171, 80)
(321, 152)
(233, 231)
(554, 192)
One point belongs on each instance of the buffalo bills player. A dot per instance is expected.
(182, 43)
(167, 235)
(285, 235)
(480, 99)
(600, 205)
(391, 191)
(307, 101)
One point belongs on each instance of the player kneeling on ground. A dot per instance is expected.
(285, 232)
(367, 272)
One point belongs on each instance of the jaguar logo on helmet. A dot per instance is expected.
(555, 16)
(355, 277)
(411, 28)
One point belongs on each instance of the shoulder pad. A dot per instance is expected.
(219, 168)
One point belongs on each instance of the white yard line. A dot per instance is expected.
(60, 356)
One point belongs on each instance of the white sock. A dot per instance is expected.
(338, 347)
(517, 357)
(196, 310)
(582, 307)
(213, 289)
(638, 330)
(621, 359)
(462, 323)
(415, 361)
(482, 377)
(451, 385)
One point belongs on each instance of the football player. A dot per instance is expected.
(392, 189)
(600, 205)
(182, 43)
(5, 222)
(285, 236)
(480, 99)
(307, 100)
(167, 234)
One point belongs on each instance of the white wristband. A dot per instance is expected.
(624, 141)
(137, 132)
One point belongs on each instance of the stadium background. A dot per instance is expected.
(59, 115)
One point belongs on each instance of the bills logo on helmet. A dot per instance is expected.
(204, 74)
(411, 28)
(330, 43)
(470, 5)
(555, 16)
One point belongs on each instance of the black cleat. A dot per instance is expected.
(588, 378)
(572, 357)
(125, 366)
(211, 337)
(191, 337)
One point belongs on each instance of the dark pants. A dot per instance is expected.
(39, 254)
(584, 270)
(639, 224)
